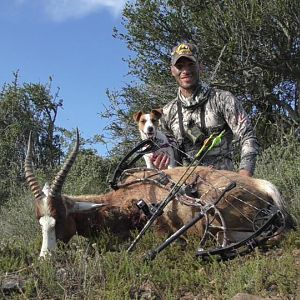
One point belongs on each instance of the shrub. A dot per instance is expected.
(281, 165)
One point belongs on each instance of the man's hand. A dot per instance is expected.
(244, 172)
(161, 161)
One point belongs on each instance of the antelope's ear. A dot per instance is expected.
(85, 207)
(157, 112)
(46, 189)
(136, 116)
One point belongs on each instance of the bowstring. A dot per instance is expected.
(217, 171)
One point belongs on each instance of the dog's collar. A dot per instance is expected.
(159, 143)
(164, 145)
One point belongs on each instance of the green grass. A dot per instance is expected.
(281, 165)
(83, 271)
(101, 269)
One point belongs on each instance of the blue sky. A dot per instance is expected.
(71, 41)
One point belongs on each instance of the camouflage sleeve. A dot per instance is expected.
(240, 124)
(164, 123)
(168, 118)
(169, 111)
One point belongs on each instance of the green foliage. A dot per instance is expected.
(123, 104)
(17, 218)
(248, 47)
(89, 174)
(25, 108)
(281, 164)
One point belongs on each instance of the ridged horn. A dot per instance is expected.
(29, 176)
(59, 180)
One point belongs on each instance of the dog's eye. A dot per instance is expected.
(153, 120)
(143, 121)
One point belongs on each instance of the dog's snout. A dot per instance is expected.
(150, 129)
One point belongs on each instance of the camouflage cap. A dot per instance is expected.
(187, 50)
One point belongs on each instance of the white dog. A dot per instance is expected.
(148, 127)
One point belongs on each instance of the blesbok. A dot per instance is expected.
(236, 216)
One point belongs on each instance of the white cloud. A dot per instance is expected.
(60, 10)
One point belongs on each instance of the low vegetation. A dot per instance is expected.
(101, 268)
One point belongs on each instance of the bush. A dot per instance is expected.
(281, 165)
(89, 174)
(17, 219)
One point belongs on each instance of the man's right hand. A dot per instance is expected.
(160, 161)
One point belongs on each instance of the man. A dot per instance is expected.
(199, 110)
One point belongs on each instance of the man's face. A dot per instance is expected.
(186, 73)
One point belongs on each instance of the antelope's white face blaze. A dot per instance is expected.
(48, 232)
(47, 223)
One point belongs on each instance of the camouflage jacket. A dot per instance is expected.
(212, 110)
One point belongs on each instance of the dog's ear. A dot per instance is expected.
(157, 112)
(136, 116)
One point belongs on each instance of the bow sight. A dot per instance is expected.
(148, 210)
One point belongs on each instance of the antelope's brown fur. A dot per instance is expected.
(120, 214)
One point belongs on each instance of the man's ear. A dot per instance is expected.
(157, 112)
(136, 116)
(173, 70)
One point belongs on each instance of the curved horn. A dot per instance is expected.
(29, 176)
(60, 178)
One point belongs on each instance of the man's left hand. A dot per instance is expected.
(160, 161)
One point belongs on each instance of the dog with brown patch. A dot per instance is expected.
(148, 127)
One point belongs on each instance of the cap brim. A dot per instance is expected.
(190, 57)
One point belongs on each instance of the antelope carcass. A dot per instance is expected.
(237, 215)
